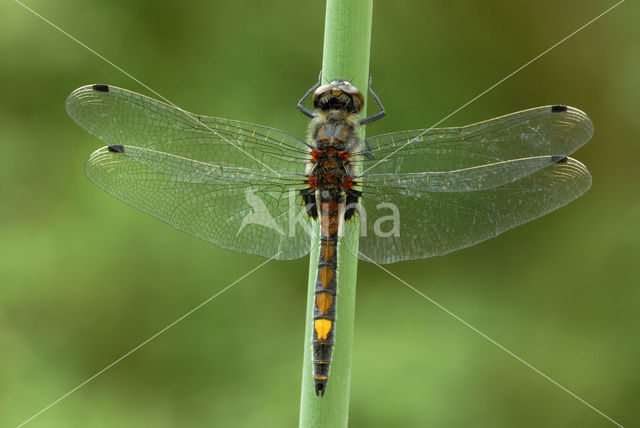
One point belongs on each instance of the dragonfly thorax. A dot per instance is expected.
(330, 156)
(329, 168)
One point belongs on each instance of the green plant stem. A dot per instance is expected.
(347, 39)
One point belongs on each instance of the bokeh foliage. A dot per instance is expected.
(84, 278)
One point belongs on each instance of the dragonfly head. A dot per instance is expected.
(338, 95)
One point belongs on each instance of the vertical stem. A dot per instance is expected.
(347, 39)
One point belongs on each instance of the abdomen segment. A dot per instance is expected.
(324, 312)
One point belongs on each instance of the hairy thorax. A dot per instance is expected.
(332, 135)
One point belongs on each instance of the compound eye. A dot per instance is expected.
(347, 87)
(321, 90)
(356, 94)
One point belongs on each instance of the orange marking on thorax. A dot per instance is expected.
(325, 275)
(323, 302)
(323, 327)
(347, 182)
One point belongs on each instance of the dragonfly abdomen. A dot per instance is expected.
(330, 182)
(324, 313)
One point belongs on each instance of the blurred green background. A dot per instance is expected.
(84, 278)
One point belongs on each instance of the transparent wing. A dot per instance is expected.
(461, 180)
(541, 131)
(241, 209)
(120, 117)
(227, 182)
(432, 223)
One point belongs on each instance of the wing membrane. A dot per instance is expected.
(244, 210)
(462, 180)
(235, 184)
(541, 131)
(437, 223)
(118, 116)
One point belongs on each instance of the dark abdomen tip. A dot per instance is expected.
(558, 108)
(100, 87)
(321, 387)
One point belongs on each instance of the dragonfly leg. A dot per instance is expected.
(376, 116)
(367, 150)
(301, 107)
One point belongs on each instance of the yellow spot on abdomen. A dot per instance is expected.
(323, 327)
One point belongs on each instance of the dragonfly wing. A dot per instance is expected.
(227, 182)
(461, 180)
(550, 130)
(404, 224)
(120, 117)
(240, 209)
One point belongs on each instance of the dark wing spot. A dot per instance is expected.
(116, 148)
(101, 88)
(558, 159)
(558, 108)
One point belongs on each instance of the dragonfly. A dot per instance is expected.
(259, 190)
